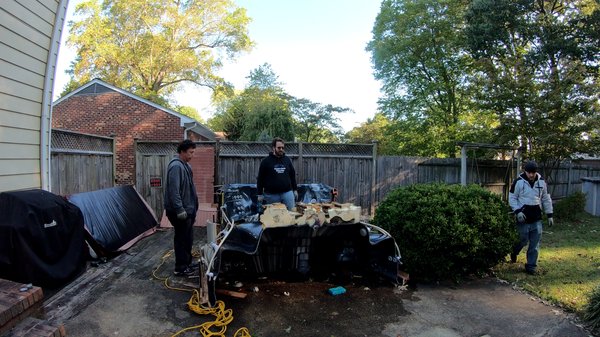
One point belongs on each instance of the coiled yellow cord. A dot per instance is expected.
(222, 316)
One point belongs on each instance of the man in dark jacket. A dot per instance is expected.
(528, 197)
(276, 181)
(181, 204)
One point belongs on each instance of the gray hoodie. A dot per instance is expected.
(180, 192)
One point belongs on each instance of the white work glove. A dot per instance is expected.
(521, 217)
(182, 215)
(295, 195)
(260, 198)
(550, 222)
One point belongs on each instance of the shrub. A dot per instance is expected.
(592, 310)
(570, 207)
(447, 231)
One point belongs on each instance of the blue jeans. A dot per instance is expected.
(286, 198)
(529, 233)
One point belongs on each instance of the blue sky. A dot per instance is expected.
(316, 47)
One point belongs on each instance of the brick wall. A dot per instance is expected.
(122, 117)
(203, 166)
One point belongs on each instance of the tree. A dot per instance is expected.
(149, 47)
(418, 54)
(190, 112)
(260, 112)
(538, 63)
(264, 110)
(316, 122)
(377, 129)
(264, 78)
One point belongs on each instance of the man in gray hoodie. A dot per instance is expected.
(181, 204)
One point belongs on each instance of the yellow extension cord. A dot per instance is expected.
(222, 316)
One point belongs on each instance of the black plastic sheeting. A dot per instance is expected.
(300, 252)
(115, 218)
(41, 238)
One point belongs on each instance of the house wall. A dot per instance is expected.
(113, 114)
(29, 38)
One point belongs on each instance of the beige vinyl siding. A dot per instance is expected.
(19, 117)
(28, 47)
(18, 167)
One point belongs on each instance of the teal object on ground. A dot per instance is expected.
(336, 290)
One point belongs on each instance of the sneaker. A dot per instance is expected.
(531, 272)
(186, 272)
(194, 265)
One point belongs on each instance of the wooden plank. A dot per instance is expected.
(75, 173)
(231, 293)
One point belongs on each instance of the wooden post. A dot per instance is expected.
(463, 165)
(300, 171)
(373, 180)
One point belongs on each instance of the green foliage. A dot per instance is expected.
(255, 114)
(264, 110)
(418, 55)
(149, 47)
(316, 122)
(537, 66)
(190, 112)
(592, 310)
(489, 71)
(570, 207)
(376, 129)
(447, 231)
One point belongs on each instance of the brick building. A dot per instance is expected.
(101, 109)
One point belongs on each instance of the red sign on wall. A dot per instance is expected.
(155, 182)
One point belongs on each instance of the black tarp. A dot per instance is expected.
(251, 250)
(115, 218)
(41, 238)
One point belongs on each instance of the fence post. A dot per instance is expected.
(463, 165)
(373, 180)
(569, 177)
(300, 171)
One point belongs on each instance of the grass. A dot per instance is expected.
(568, 264)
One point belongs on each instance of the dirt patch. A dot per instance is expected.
(307, 309)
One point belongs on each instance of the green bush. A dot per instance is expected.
(592, 310)
(570, 207)
(447, 231)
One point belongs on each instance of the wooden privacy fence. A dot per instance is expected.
(81, 162)
(362, 177)
(348, 167)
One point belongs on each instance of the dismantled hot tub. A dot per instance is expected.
(321, 240)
